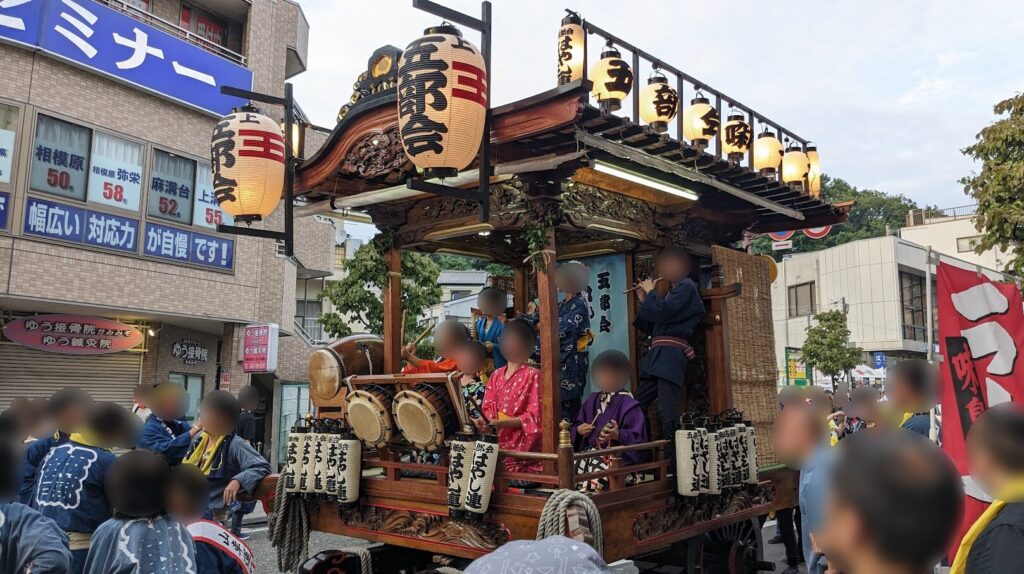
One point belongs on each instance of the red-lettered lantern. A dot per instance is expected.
(442, 101)
(247, 160)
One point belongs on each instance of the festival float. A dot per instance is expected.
(603, 168)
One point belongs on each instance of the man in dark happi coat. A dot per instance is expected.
(611, 416)
(574, 334)
(669, 320)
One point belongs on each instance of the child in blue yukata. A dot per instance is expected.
(218, 551)
(69, 487)
(29, 542)
(67, 409)
(140, 537)
(166, 432)
(470, 358)
(230, 464)
(489, 326)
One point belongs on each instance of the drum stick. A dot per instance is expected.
(480, 410)
(402, 336)
(424, 334)
(627, 291)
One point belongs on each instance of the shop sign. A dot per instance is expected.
(259, 348)
(5, 208)
(115, 172)
(6, 155)
(116, 45)
(73, 334)
(797, 372)
(78, 225)
(190, 351)
(189, 247)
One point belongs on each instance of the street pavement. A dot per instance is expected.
(266, 556)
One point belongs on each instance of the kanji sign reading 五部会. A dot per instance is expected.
(259, 348)
(88, 34)
(73, 334)
(609, 307)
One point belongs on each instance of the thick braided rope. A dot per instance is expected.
(365, 560)
(448, 570)
(289, 529)
(552, 518)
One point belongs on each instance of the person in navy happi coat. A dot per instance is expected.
(218, 551)
(67, 409)
(165, 431)
(574, 336)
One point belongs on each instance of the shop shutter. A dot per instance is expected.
(30, 373)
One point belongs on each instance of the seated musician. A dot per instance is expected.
(669, 320)
(470, 359)
(448, 335)
(512, 397)
(611, 416)
(492, 302)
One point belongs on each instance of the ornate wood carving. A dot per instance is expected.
(381, 75)
(687, 512)
(585, 205)
(376, 154)
(429, 527)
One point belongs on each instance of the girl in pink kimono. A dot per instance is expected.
(512, 397)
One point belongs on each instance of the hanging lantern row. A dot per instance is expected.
(795, 166)
(442, 101)
(700, 122)
(247, 160)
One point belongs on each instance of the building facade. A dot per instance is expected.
(954, 232)
(106, 204)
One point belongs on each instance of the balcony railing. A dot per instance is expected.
(310, 329)
(175, 30)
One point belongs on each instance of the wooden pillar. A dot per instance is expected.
(550, 359)
(522, 292)
(716, 339)
(393, 311)
(631, 306)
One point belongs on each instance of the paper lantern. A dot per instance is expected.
(700, 122)
(658, 102)
(247, 157)
(460, 457)
(767, 153)
(612, 77)
(442, 101)
(795, 166)
(814, 172)
(570, 49)
(350, 468)
(736, 137)
(483, 468)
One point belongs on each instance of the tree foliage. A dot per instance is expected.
(872, 215)
(461, 263)
(999, 186)
(827, 347)
(359, 294)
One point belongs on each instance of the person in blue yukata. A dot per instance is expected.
(230, 464)
(911, 387)
(165, 431)
(574, 336)
(140, 537)
(218, 551)
(492, 302)
(30, 543)
(69, 487)
(670, 320)
(67, 409)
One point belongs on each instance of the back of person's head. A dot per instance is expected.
(912, 380)
(112, 424)
(551, 554)
(66, 399)
(141, 393)
(790, 395)
(136, 484)
(249, 397)
(219, 412)
(894, 495)
(864, 402)
(995, 446)
(470, 356)
(188, 493)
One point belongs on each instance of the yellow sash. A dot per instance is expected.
(198, 456)
(87, 438)
(1013, 492)
(906, 417)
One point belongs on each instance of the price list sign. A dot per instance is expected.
(259, 348)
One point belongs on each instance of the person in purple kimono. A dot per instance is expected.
(611, 416)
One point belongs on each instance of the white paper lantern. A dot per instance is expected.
(570, 49)
(296, 446)
(700, 122)
(350, 468)
(795, 166)
(482, 472)
(688, 462)
(460, 458)
(247, 159)
(736, 137)
(767, 153)
(659, 103)
(751, 447)
(714, 484)
(612, 77)
(814, 173)
(442, 101)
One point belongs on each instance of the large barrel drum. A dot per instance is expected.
(360, 354)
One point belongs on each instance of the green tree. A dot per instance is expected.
(828, 348)
(447, 262)
(358, 295)
(999, 186)
(872, 215)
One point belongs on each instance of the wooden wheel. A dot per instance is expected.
(733, 549)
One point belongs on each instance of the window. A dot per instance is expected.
(171, 185)
(461, 294)
(193, 388)
(8, 131)
(294, 404)
(967, 244)
(912, 299)
(205, 25)
(208, 212)
(801, 300)
(340, 256)
(61, 157)
(115, 172)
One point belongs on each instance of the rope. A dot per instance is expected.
(289, 529)
(552, 518)
(365, 560)
(447, 570)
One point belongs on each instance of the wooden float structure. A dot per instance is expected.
(547, 199)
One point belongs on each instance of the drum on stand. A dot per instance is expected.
(425, 416)
(368, 412)
(361, 354)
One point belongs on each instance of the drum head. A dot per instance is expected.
(369, 418)
(324, 374)
(418, 420)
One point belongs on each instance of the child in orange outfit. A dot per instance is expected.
(447, 337)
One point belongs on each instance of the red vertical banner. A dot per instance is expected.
(981, 333)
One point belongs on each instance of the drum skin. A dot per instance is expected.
(368, 412)
(424, 416)
(360, 354)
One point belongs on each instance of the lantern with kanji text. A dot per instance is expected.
(248, 162)
(700, 121)
(571, 46)
(736, 136)
(814, 172)
(658, 102)
(612, 77)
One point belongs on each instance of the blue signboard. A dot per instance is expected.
(89, 34)
(189, 247)
(609, 307)
(5, 208)
(69, 223)
(880, 359)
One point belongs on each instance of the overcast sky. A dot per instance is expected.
(889, 90)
